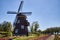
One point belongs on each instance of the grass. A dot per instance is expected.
(23, 37)
(31, 37)
(5, 34)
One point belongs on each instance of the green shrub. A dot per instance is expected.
(9, 34)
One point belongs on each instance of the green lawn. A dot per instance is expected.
(31, 37)
(24, 37)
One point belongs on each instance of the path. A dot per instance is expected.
(51, 37)
(43, 38)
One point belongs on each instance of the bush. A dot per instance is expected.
(9, 34)
(56, 37)
(5, 34)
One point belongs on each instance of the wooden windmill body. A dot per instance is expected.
(20, 22)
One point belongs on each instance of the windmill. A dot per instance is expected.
(20, 22)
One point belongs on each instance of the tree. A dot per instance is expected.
(7, 26)
(39, 31)
(34, 27)
(52, 30)
(0, 27)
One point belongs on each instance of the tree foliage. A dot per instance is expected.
(34, 27)
(5, 26)
(52, 30)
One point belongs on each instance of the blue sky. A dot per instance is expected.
(46, 12)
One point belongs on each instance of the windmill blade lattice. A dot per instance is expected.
(24, 13)
(20, 7)
(11, 12)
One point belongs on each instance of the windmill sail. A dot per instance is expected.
(11, 12)
(24, 13)
(20, 7)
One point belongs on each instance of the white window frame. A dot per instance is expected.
(18, 21)
(16, 31)
(22, 26)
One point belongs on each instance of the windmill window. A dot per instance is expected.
(18, 21)
(16, 31)
(22, 27)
